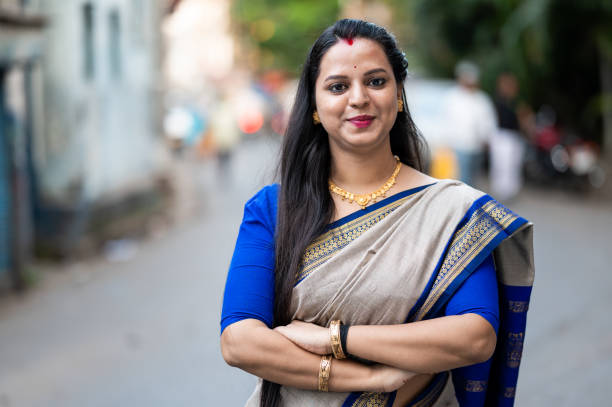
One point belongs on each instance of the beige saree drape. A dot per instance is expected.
(391, 264)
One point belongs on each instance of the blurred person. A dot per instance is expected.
(507, 146)
(360, 255)
(225, 134)
(197, 129)
(472, 120)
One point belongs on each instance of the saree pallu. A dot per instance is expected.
(401, 260)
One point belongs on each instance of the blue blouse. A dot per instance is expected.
(249, 290)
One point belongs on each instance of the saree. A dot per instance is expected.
(401, 260)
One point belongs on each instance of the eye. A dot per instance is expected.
(337, 87)
(377, 82)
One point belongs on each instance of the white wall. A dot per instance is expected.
(100, 139)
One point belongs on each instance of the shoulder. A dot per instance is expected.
(410, 178)
(481, 94)
(447, 191)
(264, 205)
(484, 98)
(266, 196)
(453, 194)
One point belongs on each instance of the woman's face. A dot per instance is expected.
(356, 95)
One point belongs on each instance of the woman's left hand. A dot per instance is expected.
(308, 336)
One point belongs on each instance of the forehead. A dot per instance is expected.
(362, 54)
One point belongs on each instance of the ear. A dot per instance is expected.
(399, 92)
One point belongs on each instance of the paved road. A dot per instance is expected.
(144, 332)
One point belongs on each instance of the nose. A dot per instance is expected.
(358, 96)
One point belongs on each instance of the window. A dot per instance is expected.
(88, 42)
(114, 25)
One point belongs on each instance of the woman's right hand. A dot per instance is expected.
(388, 378)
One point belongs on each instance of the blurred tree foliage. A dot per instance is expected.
(279, 33)
(560, 50)
(557, 49)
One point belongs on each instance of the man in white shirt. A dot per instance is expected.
(472, 120)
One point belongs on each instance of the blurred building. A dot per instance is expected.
(82, 101)
(21, 44)
(199, 45)
(198, 67)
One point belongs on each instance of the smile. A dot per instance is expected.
(361, 121)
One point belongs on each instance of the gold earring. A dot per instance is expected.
(400, 105)
(315, 118)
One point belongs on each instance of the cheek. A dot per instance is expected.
(322, 98)
(389, 106)
(390, 109)
(320, 102)
(330, 106)
(392, 119)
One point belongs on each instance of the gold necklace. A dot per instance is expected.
(363, 200)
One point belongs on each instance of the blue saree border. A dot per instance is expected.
(477, 204)
(484, 208)
(342, 232)
(514, 304)
(492, 383)
(484, 226)
(376, 206)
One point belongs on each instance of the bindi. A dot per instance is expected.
(349, 40)
(354, 66)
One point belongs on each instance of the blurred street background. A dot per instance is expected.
(132, 132)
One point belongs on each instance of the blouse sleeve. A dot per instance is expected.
(478, 295)
(249, 289)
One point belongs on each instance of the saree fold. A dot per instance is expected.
(401, 260)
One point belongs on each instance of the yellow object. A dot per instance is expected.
(400, 105)
(315, 117)
(444, 164)
(363, 200)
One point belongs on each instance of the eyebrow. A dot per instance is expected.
(370, 72)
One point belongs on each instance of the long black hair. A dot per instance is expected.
(305, 205)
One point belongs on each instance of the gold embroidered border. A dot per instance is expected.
(476, 386)
(515, 349)
(518, 306)
(482, 227)
(370, 399)
(322, 249)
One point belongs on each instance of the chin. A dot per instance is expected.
(363, 141)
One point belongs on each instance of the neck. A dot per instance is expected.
(362, 173)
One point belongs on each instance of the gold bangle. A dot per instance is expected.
(336, 344)
(324, 371)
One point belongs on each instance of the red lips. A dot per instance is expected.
(362, 120)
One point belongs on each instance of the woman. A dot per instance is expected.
(357, 233)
